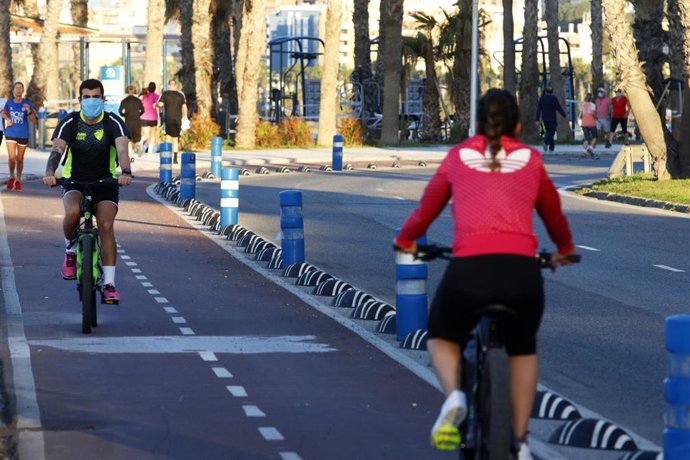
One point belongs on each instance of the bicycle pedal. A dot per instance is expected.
(110, 301)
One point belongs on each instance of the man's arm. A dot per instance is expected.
(122, 147)
(184, 110)
(59, 147)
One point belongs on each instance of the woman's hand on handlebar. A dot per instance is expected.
(561, 259)
(412, 249)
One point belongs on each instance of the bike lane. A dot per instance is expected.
(204, 358)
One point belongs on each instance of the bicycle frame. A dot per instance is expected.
(87, 230)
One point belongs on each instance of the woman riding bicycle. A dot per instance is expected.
(494, 182)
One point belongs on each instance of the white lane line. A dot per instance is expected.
(30, 432)
(671, 269)
(131, 264)
(253, 411)
(208, 356)
(178, 320)
(154, 291)
(588, 248)
(170, 309)
(120, 251)
(147, 284)
(186, 331)
(270, 434)
(136, 270)
(124, 257)
(237, 391)
(161, 299)
(222, 373)
(290, 456)
(141, 277)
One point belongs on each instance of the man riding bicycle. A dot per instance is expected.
(96, 141)
(495, 182)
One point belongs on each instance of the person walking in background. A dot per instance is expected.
(149, 119)
(174, 104)
(547, 109)
(589, 126)
(619, 115)
(603, 104)
(17, 113)
(131, 109)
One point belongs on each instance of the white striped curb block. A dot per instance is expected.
(589, 433)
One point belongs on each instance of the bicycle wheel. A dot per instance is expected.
(496, 420)
(86, 283)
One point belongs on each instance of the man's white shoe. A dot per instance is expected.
(445, 434)
(524, 453)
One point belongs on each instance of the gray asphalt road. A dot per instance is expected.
(602, 341)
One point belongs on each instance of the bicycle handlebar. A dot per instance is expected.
(89, 183)
(427, 252)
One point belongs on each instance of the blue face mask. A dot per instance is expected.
(92, 107)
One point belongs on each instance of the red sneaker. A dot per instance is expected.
(18, 186)
(10, 183)
(110, 295)
(69, 266)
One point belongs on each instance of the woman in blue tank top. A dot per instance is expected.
(17, 113)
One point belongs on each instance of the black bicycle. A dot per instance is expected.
(487, 431)
(89, 270)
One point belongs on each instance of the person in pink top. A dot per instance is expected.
(603, 104)
(149, 119)
(589, 126)
(494, 182)
(619, 115)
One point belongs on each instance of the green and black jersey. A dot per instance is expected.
(91, 153)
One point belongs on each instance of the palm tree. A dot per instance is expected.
(6, 76)
(634, 83)
(360, 21)
(551, 17)
(529, 75)
(426, 49)
(329, 78)
(597, 44)
(391, 28)
(203, 56)
(648, 32)
(46, 55)
(679, 41)
(253, 35)
(79, 11)
(155, 29)
(223, 79)
(182, 10)
(509, 77)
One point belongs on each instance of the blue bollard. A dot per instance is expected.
(165, 150)
(337, 152)
(229, 196)
(216, 155)
(291, 227)
(411, 299)
(677, 388)
(188, 176)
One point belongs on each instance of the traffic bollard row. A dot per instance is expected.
(229, 196)
(188, 176)
(677, 388)
(337, 152)
(291, 226)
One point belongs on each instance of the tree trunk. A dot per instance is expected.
(36, 92)
(203, 56)
(329, 76)
(679, 41)
(155, 30)
(187, 41)
(651, 40)
(241, 51)
(431, 118)
(254, 33)
(529, 74)
(633, 83)
(6, 76)
(391, 23)
(79, 11)
(509, 77)
(462, 68)
(552, 33)
(223, 81)
(360, 21)
(597, 42)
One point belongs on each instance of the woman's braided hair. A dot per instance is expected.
(497, 115)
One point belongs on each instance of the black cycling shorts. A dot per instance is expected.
(471, 283)
(104, 192)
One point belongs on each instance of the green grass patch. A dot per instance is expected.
(646, 186)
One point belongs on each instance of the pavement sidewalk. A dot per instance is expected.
(35, 160)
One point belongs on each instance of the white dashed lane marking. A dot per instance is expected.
(124, 257)
(588, 248)
(147, 284)
(208, 356)
(237, 391)
(170, 309)
(222, 373)
(253, 411)
(141, 277)
(154, 291)
(178, 320)
(671, 269)
(161, 299)
(270, 434)
(131, 264)
(136, 270)
(290, 456)
(186, 331)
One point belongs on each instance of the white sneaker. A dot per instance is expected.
(445, 434)
(524, 453)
